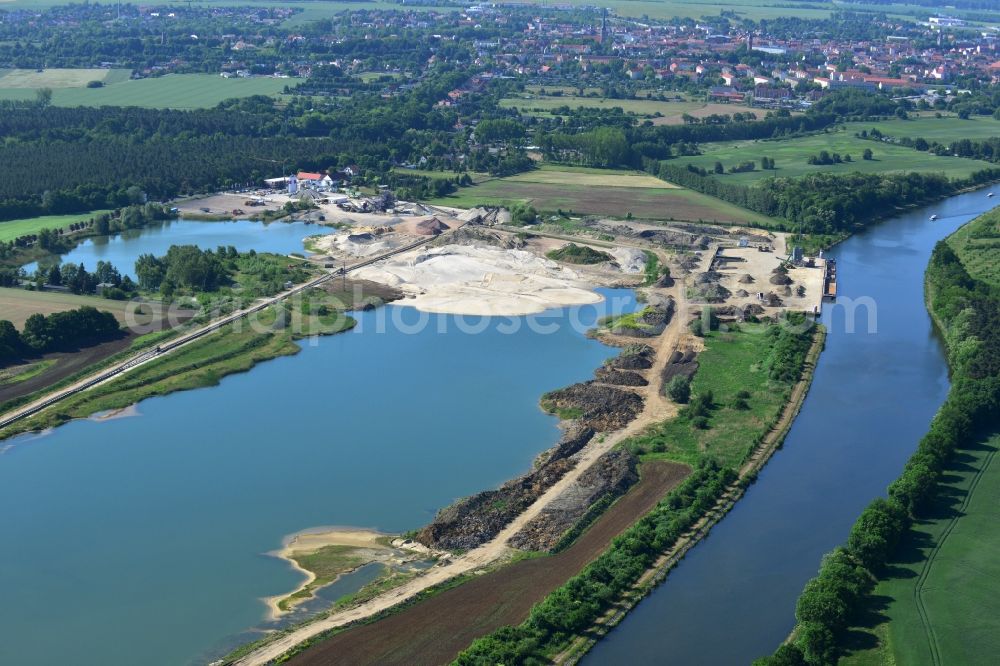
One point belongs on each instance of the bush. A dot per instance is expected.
(786, 655)
(679, 389)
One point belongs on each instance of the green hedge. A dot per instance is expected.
(576, 605)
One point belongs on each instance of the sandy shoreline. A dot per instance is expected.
(312, 540)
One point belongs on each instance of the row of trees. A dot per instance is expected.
(970, 313)
(824, 202)
(80, 281)
(825, 157)
(59, 331)
(574, 606)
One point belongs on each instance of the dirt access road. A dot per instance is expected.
(656, 409)
(437, 629)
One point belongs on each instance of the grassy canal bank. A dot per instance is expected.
(910, 583)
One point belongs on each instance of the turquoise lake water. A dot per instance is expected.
(144, 539)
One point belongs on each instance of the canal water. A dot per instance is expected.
(875, 391)
(123, 249)
(144, 539)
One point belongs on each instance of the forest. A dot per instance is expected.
(60, 160)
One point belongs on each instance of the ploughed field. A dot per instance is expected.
(600, 192)
(437, 629)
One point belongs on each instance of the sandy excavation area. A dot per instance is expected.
(228, 205)
(468, 280)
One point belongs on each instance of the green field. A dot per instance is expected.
(940, 605)
(791, 155)
(32, 225)
(732, 362)
(173, 91)
(600, 192)
(946, 129)
(663, 9)
(978, 245)
(60, 78)
(589, 176)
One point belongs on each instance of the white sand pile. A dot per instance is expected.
(630, 259)
(353, 243)
(461, 279)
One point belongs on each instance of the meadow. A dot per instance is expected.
(11, 229)
(935, 605)
(978, 244)
(791, 157)
(60, 78)
(173, 91)
(732, 362)
(947, 128)
(600, 192)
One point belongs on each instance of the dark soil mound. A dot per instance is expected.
(610, 476)
(620, 377)
(780, 278)
(681, 363)
(431, 227)
(633, 357)
(602, 408)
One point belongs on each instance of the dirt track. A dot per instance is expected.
(434, 631)
(656, 409)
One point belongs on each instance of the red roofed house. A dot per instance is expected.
(309, 179)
